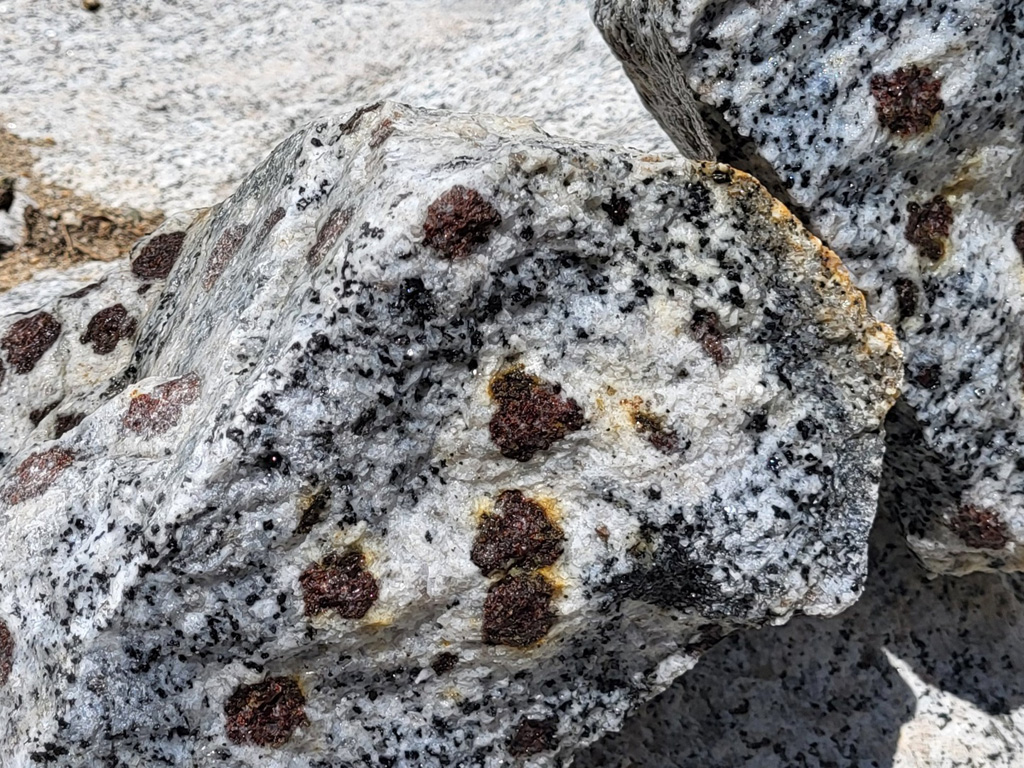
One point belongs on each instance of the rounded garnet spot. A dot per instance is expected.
(517, 611)
(533, 736)
(28, 339)
(36, 474)
(158, 412)
(107, 327)
(158, 256)
(444, 663)
(65, 422)
(907, 101)
(223, 252)
(328, 234)
(6, 652)
(928, 226)
(708, 331)
(979, 528)
(458, 220)
(518, 534)
(1018, 238)
(531, 414)
(906, 297)
(339, 583)
(265, 714)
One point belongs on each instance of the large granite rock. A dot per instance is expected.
(893, 128)
(440, 442)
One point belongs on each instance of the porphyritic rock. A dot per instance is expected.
(441, 442)
(894, 128)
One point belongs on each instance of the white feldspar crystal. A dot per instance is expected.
(440, 442)
(894, 129)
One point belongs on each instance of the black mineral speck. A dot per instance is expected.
(6, 652)
(617, 209)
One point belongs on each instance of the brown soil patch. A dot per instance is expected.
(63, 227)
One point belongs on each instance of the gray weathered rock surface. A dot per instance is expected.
(439, 440)
(894, 128)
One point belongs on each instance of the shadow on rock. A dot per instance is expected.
(878, 686)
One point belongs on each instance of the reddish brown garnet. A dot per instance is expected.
(107, 327)
(444, 663)
(158, 256)
(532, 737)
(156, 413)
(37, 415)
(458, 220)
(268, 224)
(28, 339)
(517, 611)
(265, 714)
(708, 331)
(531, 414)
(520, 534)
(336, 223)
(65, 422)
(6, 652)
(225, 249)
(928, 226)
(906, 297)
(339, 583)
(36, 474)
(907, 101)
(979, 528)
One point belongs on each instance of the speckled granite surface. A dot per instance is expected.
(169, 105)
(440, 442)
(894, 128)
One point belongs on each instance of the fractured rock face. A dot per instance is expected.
(894, 129)
(440, 442)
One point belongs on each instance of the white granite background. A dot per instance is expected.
(169, 104)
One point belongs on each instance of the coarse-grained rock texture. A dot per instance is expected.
(893, 128)
(440, 442)
(169, 105)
